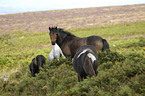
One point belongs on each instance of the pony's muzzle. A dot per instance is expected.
(53, 42)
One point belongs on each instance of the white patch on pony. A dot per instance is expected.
(91, 56)
(82, 52)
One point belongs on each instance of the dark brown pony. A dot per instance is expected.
(69, 43)
(85, 62)
(36, 64)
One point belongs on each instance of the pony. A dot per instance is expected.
(69, 43)
(36, 64)
(85, 62)
(55, 53)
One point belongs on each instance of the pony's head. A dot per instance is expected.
(53, 34)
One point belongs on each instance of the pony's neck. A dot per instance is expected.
(62, 37)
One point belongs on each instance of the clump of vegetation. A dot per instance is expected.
(110, 56)
(59, 78)
(55, 75)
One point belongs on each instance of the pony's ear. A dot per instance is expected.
(49, 28)
(56, 27)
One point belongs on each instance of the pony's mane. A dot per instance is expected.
(65, 32)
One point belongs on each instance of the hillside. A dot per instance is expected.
(121, 70)
(75, 18)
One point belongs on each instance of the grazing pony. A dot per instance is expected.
(69, 43)
(85, 62)
(55, 53)
(36, 64)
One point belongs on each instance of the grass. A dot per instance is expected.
(121, 72)
(113, 31)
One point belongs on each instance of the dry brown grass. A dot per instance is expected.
(75, 18)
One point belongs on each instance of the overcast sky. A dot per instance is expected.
(38, 5)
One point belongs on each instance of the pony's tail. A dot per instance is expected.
(105, 44)
(88, 67)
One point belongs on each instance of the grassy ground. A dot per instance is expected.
(23, 45)
(121, 72)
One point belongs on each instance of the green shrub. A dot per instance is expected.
(110, 56)
(135, 57)
(59, 78)
(124, 91)
(137, 83)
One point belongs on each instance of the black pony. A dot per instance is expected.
(36, 64)
(69, 43)
(85, 62)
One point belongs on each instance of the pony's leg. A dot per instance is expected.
(69, 58)
(85, 76)
(79, 78)
(96, 72)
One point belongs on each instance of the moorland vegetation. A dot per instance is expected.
(121, 71)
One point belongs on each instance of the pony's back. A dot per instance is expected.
(85, 62)
(40, 60)
(36, 63)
